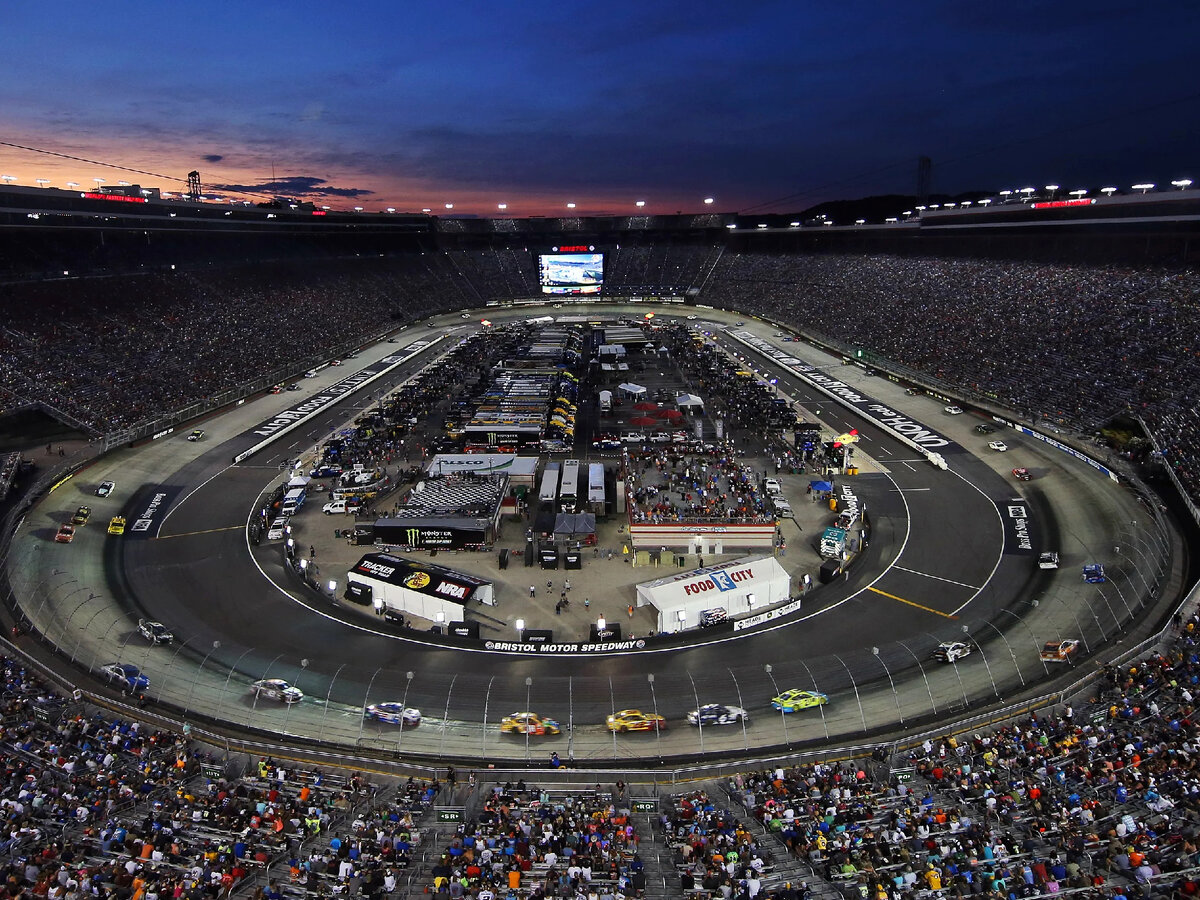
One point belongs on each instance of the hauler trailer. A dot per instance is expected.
(548, 492)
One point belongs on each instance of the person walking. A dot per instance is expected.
(532, 591)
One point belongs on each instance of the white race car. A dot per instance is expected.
(998, 445)
(393, 714)
(949, 651)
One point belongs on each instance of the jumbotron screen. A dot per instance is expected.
(571, 273)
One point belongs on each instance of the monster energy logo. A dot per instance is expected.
(412, 536)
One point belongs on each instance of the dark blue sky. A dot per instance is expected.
(761, 105)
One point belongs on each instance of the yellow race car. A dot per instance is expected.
(636, 720)
(528, 723)
(116, 525)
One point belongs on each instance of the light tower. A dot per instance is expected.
(194, 185)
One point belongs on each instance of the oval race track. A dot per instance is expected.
(943, 557)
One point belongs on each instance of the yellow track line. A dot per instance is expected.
(936, 612)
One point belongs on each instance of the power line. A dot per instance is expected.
(93, 162)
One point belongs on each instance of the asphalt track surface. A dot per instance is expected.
(943, 557)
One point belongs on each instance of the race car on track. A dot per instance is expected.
(1059, 651)
(717, 714)
(393, 714)
(154, 632)
(795, 699)
(116, 525)
(81, 515)
(949, 651)
(105, 488)
(1022, 474)
(1094, 574)
(66, 533)
(277, 689)
(197, 435)
(636, 720)
(1048, 560)
(528, 723)
(984, 428)
(997, 445)
(128, 675)
(954, 410)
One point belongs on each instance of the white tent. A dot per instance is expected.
(688, 400)
(738, 587)
(629, 389)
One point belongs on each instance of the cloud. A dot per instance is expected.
(212, 157)
(295, 186)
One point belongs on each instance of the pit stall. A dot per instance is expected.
(739, 588)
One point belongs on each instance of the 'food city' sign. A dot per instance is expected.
(718, 581)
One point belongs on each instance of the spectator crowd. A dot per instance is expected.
(1072, 343)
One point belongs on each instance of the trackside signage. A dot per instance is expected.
(1059, 445)
(149, 511)
(899, 424)
(565, 649)
(283, 422)
(777, 613)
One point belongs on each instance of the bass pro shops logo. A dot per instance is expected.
(416, 580)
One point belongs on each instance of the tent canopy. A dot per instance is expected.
(575, 523)
(633, 390)
(686, 400)
(738, 587)
(821, 485)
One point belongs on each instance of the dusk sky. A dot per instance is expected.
(764, 106)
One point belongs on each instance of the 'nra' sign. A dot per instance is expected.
(452, 590)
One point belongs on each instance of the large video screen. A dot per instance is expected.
(571, 273)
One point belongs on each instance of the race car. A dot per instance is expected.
(1094, 574)
(528, 723)
(717, 714)
(794, 699)
(949, 651)
(984, 428)
(116, 525)
(154, 632)
(997, 445)
(277, 689)
(636, 720)
(1059, 651)
(393, 714)
(197, 435)
(912, 392)
(128, 675)
(1048, 560)
(105, 488)
(1022, 474)
(81, 515)
(954, 410)
(276, 389)
(66, 533)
